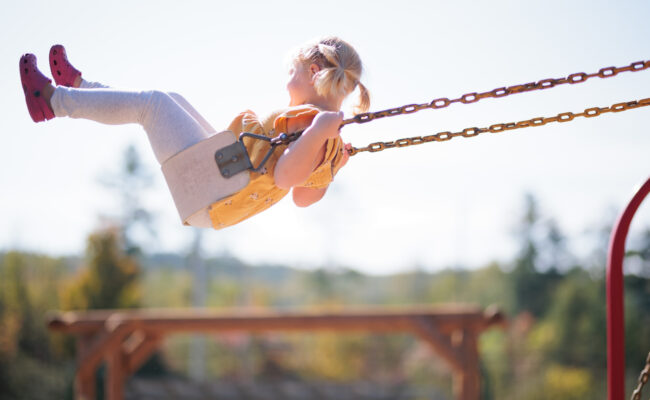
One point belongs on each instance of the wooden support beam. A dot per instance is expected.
(137, 353)
(447, 319)
(84, 382)
(467, 381)
(440, 343)
(96, 351)
(115, 373)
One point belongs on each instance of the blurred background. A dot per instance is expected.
(519, 219)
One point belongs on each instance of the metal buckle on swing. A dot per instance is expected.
(234, 158)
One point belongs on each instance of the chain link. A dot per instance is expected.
(496, 128)
(473, 97)
(285, 138)
(643, 379)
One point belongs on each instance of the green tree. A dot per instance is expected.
(130, 183)
(637, 322)
(577, 315)
(109, 279)
(534, 280)
(7, 337)
(527, 285)
(321, 282)
(19, 308)
(26, 354)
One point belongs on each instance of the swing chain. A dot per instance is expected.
(496, 128)
(285, 138)
(473, 97)
(643, 379)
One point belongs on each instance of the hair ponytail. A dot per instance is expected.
(340, 71)
(364, 100)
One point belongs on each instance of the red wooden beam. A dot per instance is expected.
(447, 318)
(615, 316)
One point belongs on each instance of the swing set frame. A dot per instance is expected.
(615, 300)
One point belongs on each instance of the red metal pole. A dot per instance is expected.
(615, 320)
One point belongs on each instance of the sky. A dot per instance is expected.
(429, 206)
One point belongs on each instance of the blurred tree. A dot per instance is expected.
(449, 285)
(555, 257)
(335, 357)
(533, 289)
(577, 315)
(568, 383)
(491, 285)
(637, 322)
(14, 302)
(6, 389)
(109, 279)
(25, 351)
(7, 338)
(112, 266)
(639, 252)
(644, 251)
(527, 285)
(130, 183)
(321, 282)
(20, 314)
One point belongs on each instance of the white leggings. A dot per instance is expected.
(171, 123)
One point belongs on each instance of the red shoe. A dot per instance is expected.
(63, 72)
(33, 82)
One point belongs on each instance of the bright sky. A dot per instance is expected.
(431, 205)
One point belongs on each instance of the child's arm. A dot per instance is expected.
(305, 154)
(304, 197)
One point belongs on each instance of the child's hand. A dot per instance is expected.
(346, 155)
(329, 122)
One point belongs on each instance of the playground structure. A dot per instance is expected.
(125, 339)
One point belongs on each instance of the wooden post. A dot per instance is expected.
(84, 381)
(467, 379)
(115, 373)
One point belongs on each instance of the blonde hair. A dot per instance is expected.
(340, 69)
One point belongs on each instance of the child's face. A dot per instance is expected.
(301, 83)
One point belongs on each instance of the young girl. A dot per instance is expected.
(322, 75)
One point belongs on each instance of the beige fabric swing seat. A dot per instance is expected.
(195, 181)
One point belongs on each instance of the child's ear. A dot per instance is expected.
(314, 69)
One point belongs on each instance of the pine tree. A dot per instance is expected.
(109, 279)
(129, 185)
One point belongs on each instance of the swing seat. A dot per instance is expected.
(196, 182)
